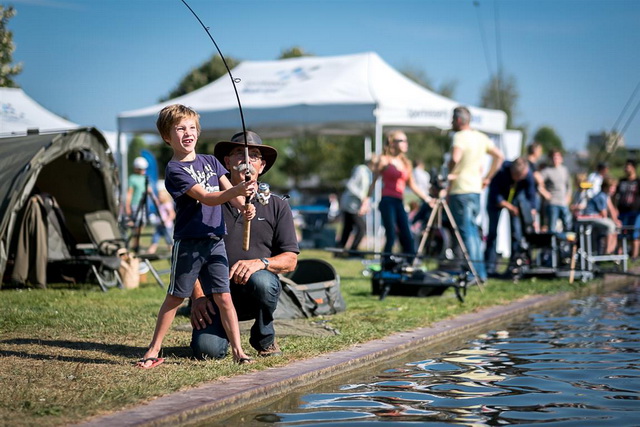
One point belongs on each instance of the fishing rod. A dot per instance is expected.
(609, 152)
(247, 176)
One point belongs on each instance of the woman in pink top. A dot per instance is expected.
(395, 169)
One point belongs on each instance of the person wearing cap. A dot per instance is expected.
(273, 249)
(136, 185)
(135, 192)
(199, 186)
(595, 178)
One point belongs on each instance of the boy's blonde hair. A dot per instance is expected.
(172, 114)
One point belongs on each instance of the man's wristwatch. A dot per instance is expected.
(266, 263)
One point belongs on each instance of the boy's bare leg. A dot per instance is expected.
(229, 319)
(166, 315)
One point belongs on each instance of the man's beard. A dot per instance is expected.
(243, 166)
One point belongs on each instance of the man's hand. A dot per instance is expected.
(242, 270)
(249, 212)
(200, 309)
(513, 209)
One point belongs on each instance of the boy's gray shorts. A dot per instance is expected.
(205, 259)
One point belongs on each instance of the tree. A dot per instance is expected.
(548, 138)
(136, 146)
(7, 71)
(209, 71)
(606, 147)
(294, 52)
(501, 93)
(419, 76)
(308, 157)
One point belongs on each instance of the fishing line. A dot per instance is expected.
(224, 61)
(476, 4)
(609, 153)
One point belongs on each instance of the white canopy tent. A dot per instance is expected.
(349, 94)
(20, 114)
(356, 94)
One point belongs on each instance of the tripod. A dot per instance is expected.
(441, 204)
(141, 213)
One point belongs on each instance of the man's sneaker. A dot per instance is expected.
(272, 350)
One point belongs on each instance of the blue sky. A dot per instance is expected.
(576, 62)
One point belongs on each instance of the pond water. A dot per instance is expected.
(576, 367)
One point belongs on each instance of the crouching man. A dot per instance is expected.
(273, 249)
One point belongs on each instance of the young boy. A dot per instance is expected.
(199, 186)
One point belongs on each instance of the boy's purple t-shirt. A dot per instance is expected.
(195, 220)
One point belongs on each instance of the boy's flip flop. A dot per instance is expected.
(244, 361)
(155, 361)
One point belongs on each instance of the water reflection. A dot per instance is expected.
(578, 367)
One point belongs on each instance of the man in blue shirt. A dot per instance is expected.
(512, 188)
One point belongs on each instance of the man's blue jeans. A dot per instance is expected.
(631, 219)
(257, 300)
(465, 208)
(562, 212)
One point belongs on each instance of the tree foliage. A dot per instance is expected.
(501, 93)
(210, 70)
(294, 52)
(606, 147)
(549, 139)
(419, 76)
(136, 146)
(7, 70)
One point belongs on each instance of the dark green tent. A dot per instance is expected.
(76, 167)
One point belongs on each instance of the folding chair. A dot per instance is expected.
(547, 253)
(102, 228)
(589, 248)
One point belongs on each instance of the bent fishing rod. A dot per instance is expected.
(247, 175)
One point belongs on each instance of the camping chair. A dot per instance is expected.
(102, 228)
(590, 251)
(544, 253)
(66, 259)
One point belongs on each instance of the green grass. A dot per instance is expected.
(68, 352)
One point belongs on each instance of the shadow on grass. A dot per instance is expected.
(361, 293)
(112, 349)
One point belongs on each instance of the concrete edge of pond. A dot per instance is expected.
(223, 397)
